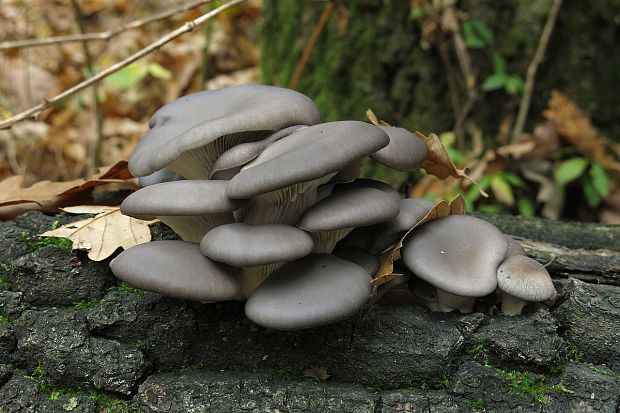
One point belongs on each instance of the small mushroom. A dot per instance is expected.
(282, 181)
(405, 151)
(458, 254)
(312, 291)
(190, 207)
(334, 217)
(522, 279)
(514, 247)
(259, 249)
(176, 269)
(188, 135)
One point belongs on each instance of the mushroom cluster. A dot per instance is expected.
(270, 211)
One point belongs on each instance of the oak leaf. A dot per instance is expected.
(104, 233)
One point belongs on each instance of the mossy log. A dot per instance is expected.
(85, 347)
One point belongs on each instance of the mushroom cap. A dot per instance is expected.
(200, 118)
(230, 162)
(354, 207)
(180, 198)
(405, 151)
(360, 257)
(514, 247)
(176, 269)
(314, 290)
(244, 245)
(458, 254)
(370, 183)
(525, 278)
(307, 154)
(157, 177)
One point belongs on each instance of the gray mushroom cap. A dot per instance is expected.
(230, 162)
(180, 198)
(245, 245)
(349, 208)
(176, 269)
(525, 278)
(514, 247)
(370, 183)
(458, 254)
(308, 154)
(157, 177)
(198, 119)
(315, 290)
(360, 257)
(405, 151)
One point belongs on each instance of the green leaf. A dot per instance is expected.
(485, 181)
(158, 71)
(127, 77)
(477, 34)
(514, 85)
(525, 206)
(499, 64)
(494, 82)
(502, 190)
(600, 179)
(513, 179)
(569, 170)
(490, 209)
(593, 198)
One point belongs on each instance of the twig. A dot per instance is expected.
(524, 106)
(93, 161)
(187, 27)
(314, 37)
(102, 36)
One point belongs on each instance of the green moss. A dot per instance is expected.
(35, 243)
(81, 305)
(128, 288)
(475, 405)
(104, 401)
(606, 372)
(6, 321)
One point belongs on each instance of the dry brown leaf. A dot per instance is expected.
(317, 373)
(103, 234)
(11, 191)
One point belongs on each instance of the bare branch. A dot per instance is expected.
(101, 36)
(524, 106)
(187, 27)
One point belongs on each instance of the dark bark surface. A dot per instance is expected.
(121, 349)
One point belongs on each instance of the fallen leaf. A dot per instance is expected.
(103, 234)
(317, 373)
(438, 161)
(374, 120)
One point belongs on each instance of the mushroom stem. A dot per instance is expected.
(325, 241)
(252, 277)
(193, 228)
(512, 305)
(198, 163)
(284, 206)
(449, 302)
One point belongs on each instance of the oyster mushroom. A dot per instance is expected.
(458, 255)
(405, 151)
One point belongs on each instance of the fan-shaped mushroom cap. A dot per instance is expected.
(308, 154)
(230, 162)
(411, 211)
(371, 183)
(514, 247)
(405, 151)
(525, 278)
(458, 254)
(360, 257)
(354, 207)
(157, 177)
(189, 207)
(181, 128)
(315, 290)
(245, 245)
(176, 269)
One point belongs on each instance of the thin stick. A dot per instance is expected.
(524, 106)
(93, 161)
(314, 37)
(187, 27)
(102, 36)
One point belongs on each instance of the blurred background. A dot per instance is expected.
(461, 69)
